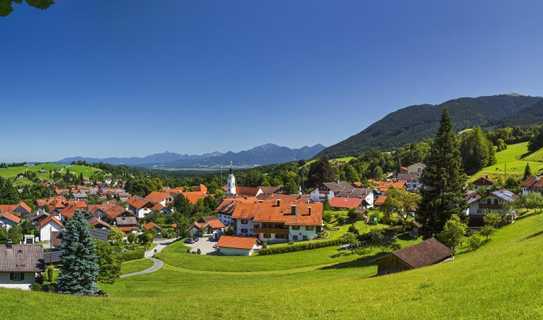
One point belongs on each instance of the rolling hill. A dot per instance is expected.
(414, 123)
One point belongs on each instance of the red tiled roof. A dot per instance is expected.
(280, 211)
(11, 217)
(384, 186)
(345, 203)
(380, 201)
(211, 221)
(137, 202)
(53, 219)
(12, 207)
(156, 197)
(150, 226)
(247, 243)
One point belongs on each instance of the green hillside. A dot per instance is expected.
(502, 280)
(415, 123)
(512, 161)
(43, 169)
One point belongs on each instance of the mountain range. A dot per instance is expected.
(414, 123)
(262, 155)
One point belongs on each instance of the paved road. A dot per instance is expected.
(150, 254)
(206, 246)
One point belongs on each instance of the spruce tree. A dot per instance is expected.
(443, 180)
(527, 171)
(79, 270)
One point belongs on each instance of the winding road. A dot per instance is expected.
(150, 254)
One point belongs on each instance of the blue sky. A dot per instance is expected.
(132, 77)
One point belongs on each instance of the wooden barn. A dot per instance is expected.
(423, 254)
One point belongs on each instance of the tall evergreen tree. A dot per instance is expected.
(443, 180)
(79, 270)
(321, 171)
(527, 171)
(477, 151)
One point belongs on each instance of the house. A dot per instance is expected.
(50, 229)
(151, 226)
(207, 226)
(97, 223)
(480, 204)
(226, 208)
(416, 169)
(19, 265)
(140, 206)
(283, 218)
(532, 184)
(107, 212)
(426, 253)
(164, 198)
(329, 190)
(8, 220)
(21, 209)
(483, 183)
(127, 224)
(237, 246)
(193, 195)
(345, 203)
(260, 191)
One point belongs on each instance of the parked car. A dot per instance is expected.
(191, 240)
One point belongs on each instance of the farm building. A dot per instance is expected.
(423, 254)
(19, 265)
(237, 246)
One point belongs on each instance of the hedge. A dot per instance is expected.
(134, 254)
(302, 246)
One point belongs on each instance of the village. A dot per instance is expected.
(246, 221)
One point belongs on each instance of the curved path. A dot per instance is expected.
(149, 254)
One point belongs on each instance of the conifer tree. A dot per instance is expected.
(527, 171)
(443, 180)
(79, 270)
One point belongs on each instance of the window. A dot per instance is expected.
(305, 237)
(295, 238)
(295, 227)
(309, 228)
(267, 235)
(243, 230)
(16, 276)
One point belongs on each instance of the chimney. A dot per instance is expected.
(293, 210)
(309, 210)
(278, 202)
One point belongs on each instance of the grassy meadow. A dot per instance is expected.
(42, 170)
(135, 265)
(501, 280)
(512, 161)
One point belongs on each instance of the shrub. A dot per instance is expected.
(134, 254)
(301, 247)
(493, 219)
(486, 231)
(453, 232)
(475, 242)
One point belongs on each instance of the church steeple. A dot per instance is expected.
(231, 183)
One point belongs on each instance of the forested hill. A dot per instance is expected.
(413, 123)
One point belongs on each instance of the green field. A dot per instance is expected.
(135, 265)
(512, 161)
(42, 170)
(502, 280)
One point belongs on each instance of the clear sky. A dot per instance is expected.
(134, 77)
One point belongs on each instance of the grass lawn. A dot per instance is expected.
(501, 280)
(135, 265)
(176, 256)
(12, 172)
(514, 160)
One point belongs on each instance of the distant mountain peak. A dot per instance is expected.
(265, 154)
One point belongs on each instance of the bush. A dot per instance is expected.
(134, 254)
(302, 246)
(475, 242)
